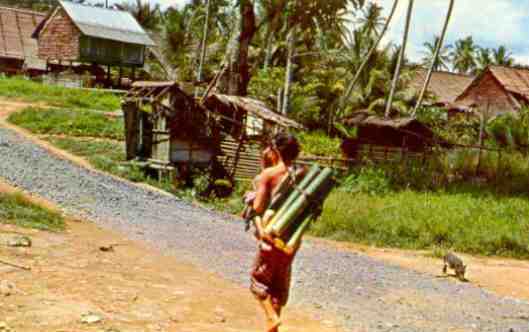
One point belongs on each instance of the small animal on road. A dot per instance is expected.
(455, 263)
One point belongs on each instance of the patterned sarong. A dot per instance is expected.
(271, 274)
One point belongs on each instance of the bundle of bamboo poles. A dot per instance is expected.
(293, 208)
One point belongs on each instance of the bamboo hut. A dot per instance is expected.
(170, 131)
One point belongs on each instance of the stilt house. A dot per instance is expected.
(75, 33)
(172, 131)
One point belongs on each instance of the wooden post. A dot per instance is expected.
(132, 130)
(480, 140)
(108, 76)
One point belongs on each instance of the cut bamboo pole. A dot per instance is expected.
(285, 188)
(308, 212)
(313, 172)
(301, 201)
(298, 233)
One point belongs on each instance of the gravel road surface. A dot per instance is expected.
(367, 295)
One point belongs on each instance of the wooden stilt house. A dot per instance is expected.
(79, 34)
(170, 130)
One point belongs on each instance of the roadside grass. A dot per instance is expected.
(30, 91)
(105, 155)
(17, 210)
(472, 222)
(79, 123)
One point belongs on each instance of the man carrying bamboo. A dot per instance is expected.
(272, 269)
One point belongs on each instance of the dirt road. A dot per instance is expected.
(131, 288)
(365, 294)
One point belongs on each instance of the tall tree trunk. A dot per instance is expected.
(435, 57)
(291, 42)
(204, 44)
(396, 76)
(237, 75)
(269, 47)
(364, 63)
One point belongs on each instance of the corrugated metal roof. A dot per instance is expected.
(107, 24)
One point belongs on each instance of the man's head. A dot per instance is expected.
(287, 146)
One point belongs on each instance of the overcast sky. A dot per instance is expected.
(491, 22)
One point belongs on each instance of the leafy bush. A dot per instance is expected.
(305, 104)
(317, 143)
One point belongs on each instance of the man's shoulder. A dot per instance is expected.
(274, 172)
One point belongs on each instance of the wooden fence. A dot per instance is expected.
(471, 160)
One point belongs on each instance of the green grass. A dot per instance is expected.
(26, 90)
(473, 222)
(17, 210)
(107, 156)
(79, 123)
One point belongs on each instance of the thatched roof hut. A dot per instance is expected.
(403, 132)
(497, 90)
(176, 128)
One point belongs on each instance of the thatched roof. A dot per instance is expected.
(444, 86)
(253, 107)
(233, 104)
(513, 80)
(364, 118)
(16, 27)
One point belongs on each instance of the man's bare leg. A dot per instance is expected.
(272, 314)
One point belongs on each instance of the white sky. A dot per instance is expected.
(491, 22)
(163, 3)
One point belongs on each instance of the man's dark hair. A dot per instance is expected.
(287, 145)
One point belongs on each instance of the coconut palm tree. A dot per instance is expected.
(484, 58)
(443, 60)
(371, 22)
(360, 69)
(402, 53)
(464, 55)
(502, 57)
(147, 15)
(438, 47)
